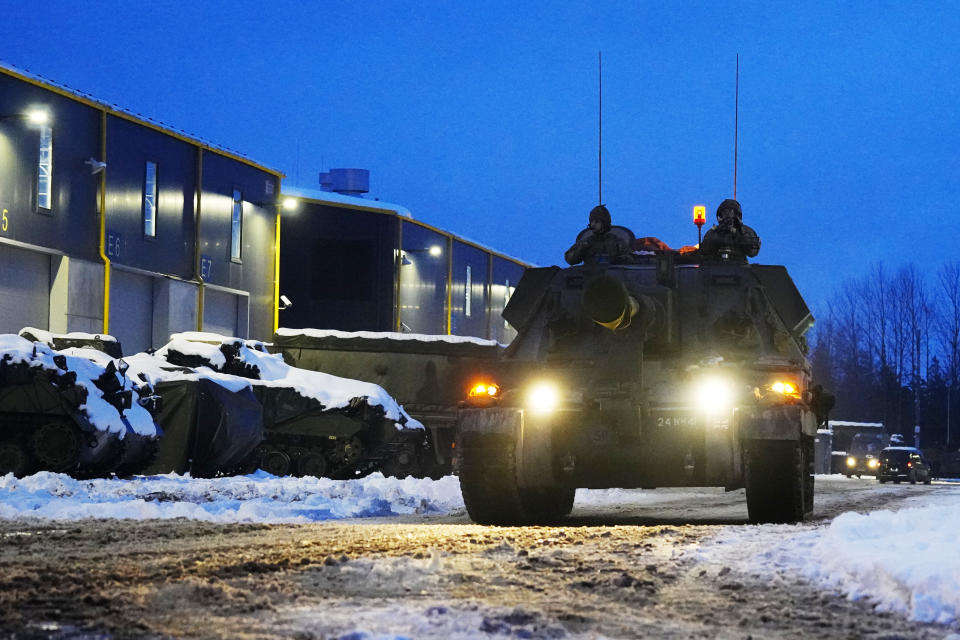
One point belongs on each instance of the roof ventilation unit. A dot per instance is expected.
(351, 182)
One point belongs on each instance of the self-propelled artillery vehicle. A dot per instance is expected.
(651, 374)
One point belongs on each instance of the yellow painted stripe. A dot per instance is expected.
(103, 223)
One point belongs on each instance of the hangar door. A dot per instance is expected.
(131, 310)
(24, 289)
(220, 312)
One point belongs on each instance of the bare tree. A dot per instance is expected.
(948, 320)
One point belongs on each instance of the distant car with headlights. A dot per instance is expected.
(861, 465)
(903, 463)
(863, 459)
(665, 372)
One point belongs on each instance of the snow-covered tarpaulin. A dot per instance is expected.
(330, 391)
(101, 414)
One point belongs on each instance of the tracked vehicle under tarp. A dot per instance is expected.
(65, 413)
(427, 374)
(312, 423)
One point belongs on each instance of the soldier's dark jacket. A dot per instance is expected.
(593, 246)
(738, 241)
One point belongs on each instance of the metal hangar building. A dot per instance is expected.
(116, 224)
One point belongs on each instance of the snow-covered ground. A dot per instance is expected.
(904, 561)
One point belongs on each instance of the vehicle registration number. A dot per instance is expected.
(675, 419)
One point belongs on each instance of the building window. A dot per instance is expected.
(150, 200)
(507, 292)
(45, 169)
(236, 225)
(466, 301)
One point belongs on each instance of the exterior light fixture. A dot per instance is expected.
(38, 116)
(290, 204)
(699, 219)
(434, 251)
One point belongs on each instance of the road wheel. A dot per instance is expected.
(488, 479)
(14, 459)
(897, 481)
(927, 479)
(401, 464)
(775, 478)
(880, 479)
(275, 462)
(55, 445)
(913, 477)
(313, 463)
(488, 482)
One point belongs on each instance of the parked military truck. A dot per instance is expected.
(428, 374)
(655, 374)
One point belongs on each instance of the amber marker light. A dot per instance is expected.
(699, 215)
(785, 388)
(483, 393)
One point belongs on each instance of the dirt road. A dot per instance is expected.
(623, 572)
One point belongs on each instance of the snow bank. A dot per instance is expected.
(258, 497)
(903, 561)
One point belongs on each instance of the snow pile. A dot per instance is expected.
(101, 414)
(48, 337)
(258, 497)
(903, 561)
(330, 391)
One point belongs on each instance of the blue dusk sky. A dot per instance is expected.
(481, 117)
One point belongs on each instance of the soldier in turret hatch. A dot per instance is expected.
(597, 243)
(729, 240)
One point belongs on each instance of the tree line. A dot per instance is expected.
(889, 349)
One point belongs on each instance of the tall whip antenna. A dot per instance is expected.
(600, 128)
(736, 127)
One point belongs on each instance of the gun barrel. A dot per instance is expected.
(609, 304)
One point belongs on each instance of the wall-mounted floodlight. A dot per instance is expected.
(38, 116)
(290, 204)
(433, 250)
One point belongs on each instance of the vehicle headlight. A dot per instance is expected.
(543, 397)
(851, 461)
(714, 394)
(873, 463)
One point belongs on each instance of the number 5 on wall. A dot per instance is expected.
(5, 224)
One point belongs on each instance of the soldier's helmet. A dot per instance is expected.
(600, 213)
(731, 204)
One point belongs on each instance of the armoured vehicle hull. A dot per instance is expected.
(642, 376)
(428, 375)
